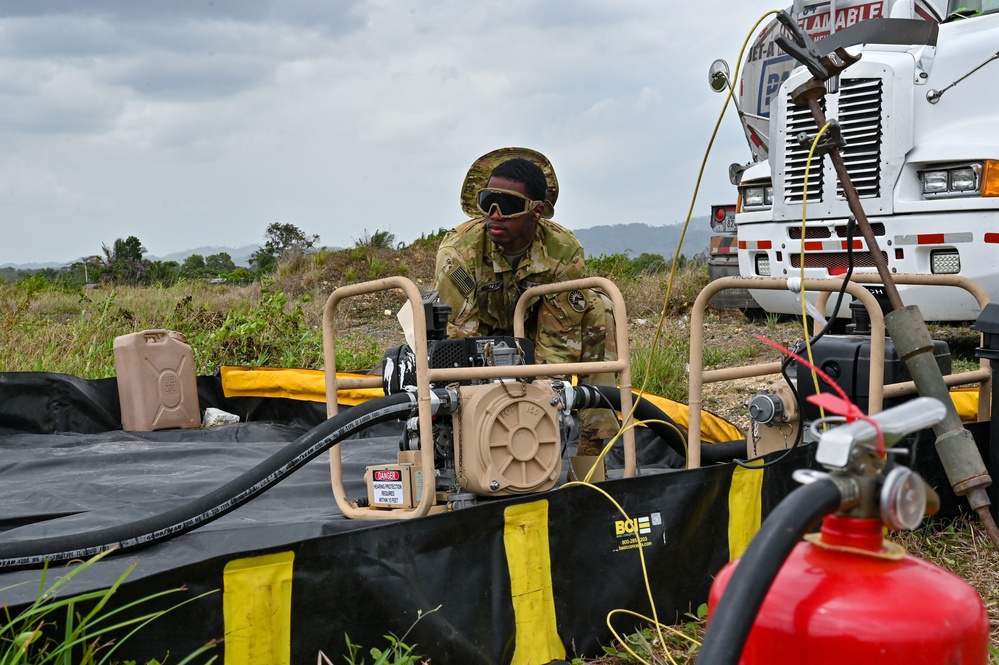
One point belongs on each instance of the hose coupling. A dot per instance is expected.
(846, 485)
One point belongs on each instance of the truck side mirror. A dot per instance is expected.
(718, 75)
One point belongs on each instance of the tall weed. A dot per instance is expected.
(662, 370)
(83, 629)
(73, 332)
(273, 333)
(45, 328)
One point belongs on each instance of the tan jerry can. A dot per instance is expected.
(157, 386)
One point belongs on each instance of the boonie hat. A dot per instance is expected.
(478, 176)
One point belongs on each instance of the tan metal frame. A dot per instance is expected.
(982, 376)
(877, 391)
(425, 376)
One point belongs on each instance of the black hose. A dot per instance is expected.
(588, 397)
(215, 504)
(737, 609)
(723, 452)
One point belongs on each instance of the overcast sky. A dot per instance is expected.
(199, 122)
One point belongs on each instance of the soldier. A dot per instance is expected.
(485, 264)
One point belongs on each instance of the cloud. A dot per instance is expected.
(334, 17)
(200, 122)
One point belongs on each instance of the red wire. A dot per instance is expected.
(842, 406)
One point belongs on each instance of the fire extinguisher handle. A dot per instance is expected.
(836, 446)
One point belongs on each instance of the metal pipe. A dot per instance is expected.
(741, 372)
(978, 376)
(956, 447)
(353, 382)
(428, 496)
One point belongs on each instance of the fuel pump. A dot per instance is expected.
(491, 423)
(506, 437)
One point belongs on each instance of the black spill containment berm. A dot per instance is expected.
(523, 580)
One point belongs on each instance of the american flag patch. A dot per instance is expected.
(460, 278)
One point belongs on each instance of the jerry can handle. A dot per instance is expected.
(159, 335)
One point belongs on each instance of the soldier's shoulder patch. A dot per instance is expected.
(577, 300)
(461, 279)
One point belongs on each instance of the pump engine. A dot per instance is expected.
(506, 436)
(780, 413)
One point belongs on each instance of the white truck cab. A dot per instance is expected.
(918, 121)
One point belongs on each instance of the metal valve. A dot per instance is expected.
(766, 408)
(851, 455)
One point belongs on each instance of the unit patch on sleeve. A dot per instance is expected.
(577, 300)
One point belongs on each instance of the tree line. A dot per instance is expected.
(124, 262)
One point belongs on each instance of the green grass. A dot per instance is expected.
(738, 355)
(73, 332)
(83, 629)
(666, 371)
(398, 651)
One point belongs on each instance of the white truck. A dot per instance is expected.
(919, 124)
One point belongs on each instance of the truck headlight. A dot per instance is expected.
(963, 180)
(757, 197)
(763, 265)
(960, 180)
(934, 182)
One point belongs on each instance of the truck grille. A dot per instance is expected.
(837, 261)
(800, 121)
(858, 110)
(860, 120)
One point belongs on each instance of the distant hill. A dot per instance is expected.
(32, 266)
(636, 239)
(240, 255)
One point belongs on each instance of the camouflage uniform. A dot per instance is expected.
(477, 282)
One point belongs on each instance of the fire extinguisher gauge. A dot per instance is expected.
(904, 499)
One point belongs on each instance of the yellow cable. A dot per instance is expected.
(700, 174)
(641, 556)
(635, 423)
(655, 343)
(801, 263)
(671, 629)
(648, 585)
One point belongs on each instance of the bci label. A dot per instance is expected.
(637, 525)
(636, 532)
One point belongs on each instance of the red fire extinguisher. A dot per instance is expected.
(846, 595)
